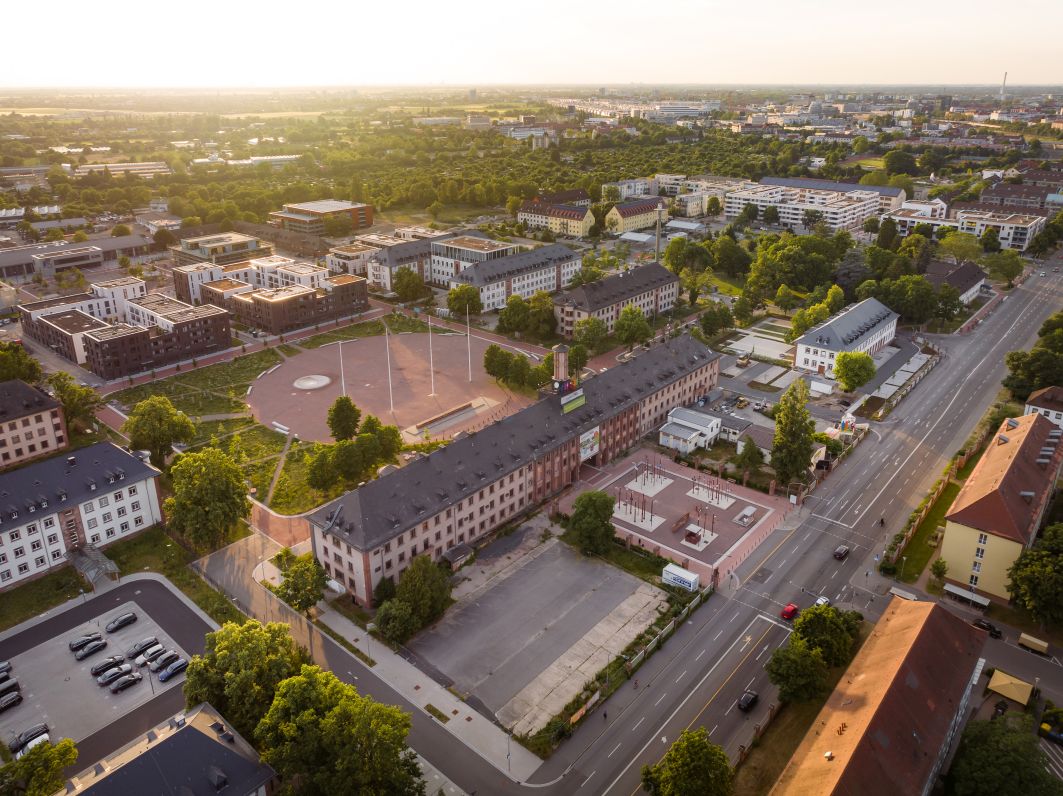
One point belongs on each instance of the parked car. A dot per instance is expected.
(173, 670)
(105, 664)
(790, 611)
(841, 551)
(845, 402)
(1043, 273)
(150, 654)
(121, 621)
(35, 742)
(823, 601)
(140, 646)
(90, 649)
(5, 667)
(989, 627)
(85, 640)
(164, 660)
(126, 680)
(9, 686)
(111, 675)
(26, 736)
(8, 701)
(747, 701)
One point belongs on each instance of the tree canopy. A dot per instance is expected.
(209, 497)
(791, 453)
(343, 418)
(304, 584)
(39, 772)
(1035, 580)
(632, 327)
(798, 671)
(155, 425)
(1001, 758)
(592, 521)
(79, 403)
(692, 766)
(425, 587)
(464, 298)
(853, 369)
(16, 363)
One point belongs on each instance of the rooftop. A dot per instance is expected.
(353, 248)
(882, 728)
(639, 207)
(1047, 398)
(18, 399)
(843, 331)
(829, 185)
(473, 243)
(963, 277)
(25, 254)
(225, 284)
(323, 206)
(1003, 494)
(515, 264)
(74, 321)
(383, 508)
(554, 210)
(616, 288)
(218, 239)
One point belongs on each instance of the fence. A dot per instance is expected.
(637, 659)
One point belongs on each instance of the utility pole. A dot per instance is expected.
(657, 253)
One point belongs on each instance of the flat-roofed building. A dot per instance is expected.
(560, 219)
(310, 218)
(636, 215)
(838, 210)
(890, 723)
(221, 249)
(419, 233)
(293, 305)
(19, 263)
(32, 423)
(630, 189)
(1014, 230)
(548, 268)
(452, 255)
(889, 198)
(352, 258)
(147, 170)
(868, 327)
(651, 287)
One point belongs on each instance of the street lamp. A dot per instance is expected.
(904, 563)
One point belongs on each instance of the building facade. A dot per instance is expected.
(574, 221)
(651, 288)
(309, 218)
(636, 215)
(452, 255)
(1014, 230)
(19, 263)
(548, 268)
(93, 497)
(889, 198)
(221, 249)
(352, 258)
(868, 327)
(32, 423)
(1048, 402)
(837, 209)
(463, 492)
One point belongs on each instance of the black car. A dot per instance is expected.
(26, 736)
(841, 551)
(105, 664)
(85, 640)
(126, 680)
(140, 646)
(121, 621)
(10, 700)
(111, 675)
(90, 649)
(5, 667)
(989, 627)
(173, 670)
(748, 700)
(164, 660)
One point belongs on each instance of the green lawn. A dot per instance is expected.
(207, 429)
(374, 328)
(919, 550)
(293, 495)
(37, 596)
(730, 285)
(255, 442)
(871, 164)
(289, 350)
(155, 551)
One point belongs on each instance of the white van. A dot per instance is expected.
(35, 742)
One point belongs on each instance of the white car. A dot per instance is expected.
(823, 601)
(150, 654)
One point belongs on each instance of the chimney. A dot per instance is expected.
(560, 362)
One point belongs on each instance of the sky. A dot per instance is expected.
(268, 43)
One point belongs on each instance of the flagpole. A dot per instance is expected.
(343, 381)
(468, 334)
(431, 360)
(387, 346)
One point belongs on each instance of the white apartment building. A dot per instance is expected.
(450, 256)
(632, 189)
(669, 184)
(263, 272)
(867, 326)
(889, 198)
(419, 233)
(93, 497)
(1015, 230)
(840, 210)
(548, 268)
(688, 429)
(350, 259)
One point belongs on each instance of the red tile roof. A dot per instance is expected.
(1047, 398)
(637, 208)
(555, 211)
(1005, 491)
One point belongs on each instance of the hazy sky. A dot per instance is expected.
(470, 42)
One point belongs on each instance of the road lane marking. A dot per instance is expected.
(750, 685)
(637, 723)
(614, 751)
(761, 652)
(588, 779)
(733, 618)
(699, 655)
(680, 677)
(835, 573)
(717, 635)
(661, 697)
(714, 729)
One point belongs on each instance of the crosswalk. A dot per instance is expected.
(1054, 752)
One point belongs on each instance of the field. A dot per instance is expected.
(872, 164)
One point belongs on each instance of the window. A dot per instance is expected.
(123, 527)
(135, 506)
(52, 538)
(5, 575)
(3, 558)
(15, 536)
(121, 511)
(979, 552)
(49, 523)
(36, 545)
(976, 566)
(92, 522)
(104, 502)
(110, 533)
(89, 506)
(972, 581)
(20, 552)
(982, 538)
(23, 569)
(56, 555)
(132, 490)
(107, 516)
(117, 496)
(39, 561)
(138, 521)
(94, 538)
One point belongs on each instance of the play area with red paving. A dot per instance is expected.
(288, 395)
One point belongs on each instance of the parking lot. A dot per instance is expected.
(60, 691)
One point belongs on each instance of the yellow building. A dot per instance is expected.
(998, 511)
(571, 220)
(632, 216)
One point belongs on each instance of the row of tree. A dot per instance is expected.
(360, 447)
(1042, 365)
(421, 597)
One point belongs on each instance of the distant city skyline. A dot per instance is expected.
(217, 45)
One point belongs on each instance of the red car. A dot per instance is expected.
(789, 612)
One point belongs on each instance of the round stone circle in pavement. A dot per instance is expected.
(311, 382)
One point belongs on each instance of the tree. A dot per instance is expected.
(791, 452)
(408, 285)
(322, 737)
(786, 299)
(834, 300)
(1001, 758)
(164, 238)
(823, 628)
(343, 417)
(730, 258)
(240, 669)
(541, 318)
(749, 459)
(871, 225)
(338, 226)
(497, 361)
(853, 369)
(899, 162)
(939, 569)
(16, 363)
(860, 145)
(631, 326)
(120, 230)
(1004, 265)
(798, 671)
(771, 215)
(514, 316)
(519, 372)
(321, 469)
(749, 213)
(592, 522)
(209, 497)
(887, 234)
(155, 425)
(695, 283)
(347, 460)
(39, 772)
(990, 240)
(961, 246)
(716, 318)
(80, 236)
(949, 303)
(692, 766)
(513, 204)
(578, 356)
(425, 587)
(304, 584)
(742, 310)
(395, 621)
(79, 403)
(590, 332)
(713, 207)
(464, 298)
(1035, 580)
(811, 217)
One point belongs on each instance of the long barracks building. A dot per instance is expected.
(460, 493)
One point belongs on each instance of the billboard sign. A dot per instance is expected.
(589, 443)
(677, 576)
(572, 401)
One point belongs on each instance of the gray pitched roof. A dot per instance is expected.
(392, 504)
(962, 277)
(480, 274)
(618, 287)
(843, 331)
(61, 483)
(829, 185)
(18, 399)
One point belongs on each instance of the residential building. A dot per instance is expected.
(651, 287)
(889, 198)
(153, 221)
(419, 233)
(92, 497)
(146, 170)
(477, 122)
(761, 436)
(669, 184)
(463, 492)
(688, 429)
(1014, 230)
(221, 249)
(631, 189)
(453, 254)
(636, 215)
(1001, 505)
(195, 752)
(966, 277)
(868, 326)
(560, 219)
(21, 263)
(395, 255)
(310, 218)
(1009, 195)
(897, 712)
(118, 328)
(1047, 401)
(837, 209)
(575, 197)
(548, 268)
(351, 258)
(32, 423)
